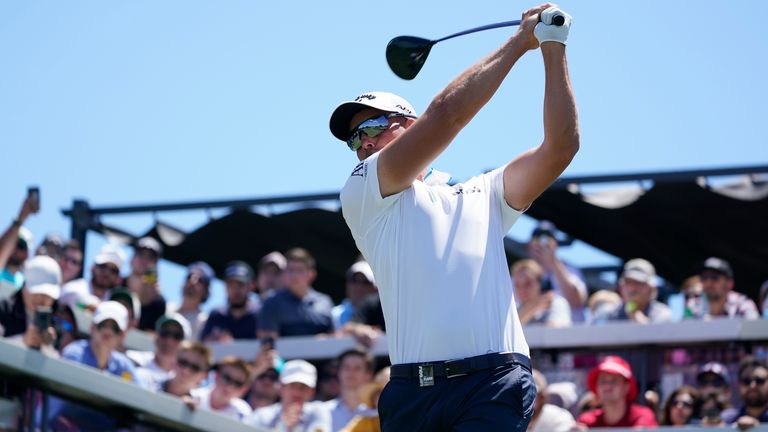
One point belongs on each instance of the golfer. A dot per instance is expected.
(460, 360)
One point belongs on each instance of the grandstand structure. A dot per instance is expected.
(673, 219)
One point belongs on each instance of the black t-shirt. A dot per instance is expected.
(13, 316)
(369, 312)
(150, 313)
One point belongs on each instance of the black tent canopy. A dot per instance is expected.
(673, 219)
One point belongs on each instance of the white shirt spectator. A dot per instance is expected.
(553, 419)
(315, 417)
(237, 408)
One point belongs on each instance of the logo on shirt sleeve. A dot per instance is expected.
(360, 170)
(459, 190)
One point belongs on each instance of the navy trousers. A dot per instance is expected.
(499, 399)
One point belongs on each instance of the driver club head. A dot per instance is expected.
(406, 55)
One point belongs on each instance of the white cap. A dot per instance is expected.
(25, 235)
(111, 310)
(384, 101)
(640, 270)
(110, 253)
(299, 371)
(177, 318)
(364, 269)
(42, 275)
(275, 258)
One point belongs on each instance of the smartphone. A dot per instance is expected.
(268, 342)
(42, 319)
(33, 193)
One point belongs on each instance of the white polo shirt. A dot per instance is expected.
(438, 256)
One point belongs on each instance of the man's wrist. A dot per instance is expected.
(17, 222)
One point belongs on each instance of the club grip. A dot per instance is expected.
(558, 20)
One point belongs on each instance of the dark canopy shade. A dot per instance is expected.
(676, 223)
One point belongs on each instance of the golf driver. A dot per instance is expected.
(406, 54)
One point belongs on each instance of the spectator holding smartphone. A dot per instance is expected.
(27, 316)
(14, 249)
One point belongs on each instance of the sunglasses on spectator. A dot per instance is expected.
(109, 325)
(711, 276)
(194, 367)
(71, 260)
(682, 404)
(371, 127)
(714, 382)
(747, 381)
(21, 245)
(109, 268)
(171, 334)
(231, 381)
(268, 376)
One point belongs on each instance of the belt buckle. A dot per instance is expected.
(426, 375)
(453, 368)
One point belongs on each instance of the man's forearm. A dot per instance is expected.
(560, 117)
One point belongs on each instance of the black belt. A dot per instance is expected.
(426, 372)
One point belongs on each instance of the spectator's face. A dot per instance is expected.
(105, 275)
(191, 367)
(635, 291)
(680, 409)
(143, 260)
(711, 383)
(270, 278)
(107, 334)
(195, 287)
(168, 339)
(19, 255)
(358, 287)
(753, 386)
(353, 372)
(293, 393)
(715, 284)
(527, 285)
(35, 301)
(298, 275)
(237, 293)
(611, 388)
(231, 382)
(267, 385)
(71, 263)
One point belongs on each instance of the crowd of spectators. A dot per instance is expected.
(46, 305)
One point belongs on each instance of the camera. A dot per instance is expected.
(267, 342)
(150, 276)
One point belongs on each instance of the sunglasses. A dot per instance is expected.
(109, 268)
(267, 376)
(231, 381)
(714, 382)
(682, 404)
(109, 325)
(195, 368)
(757, 380)
(21, 245)
(171, 334)
(372, 128)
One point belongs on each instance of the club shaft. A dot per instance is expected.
(481, 28)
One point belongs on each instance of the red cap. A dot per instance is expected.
(617, 366)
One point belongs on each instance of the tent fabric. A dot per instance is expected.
(674, 225)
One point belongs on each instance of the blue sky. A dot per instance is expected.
(147, 102)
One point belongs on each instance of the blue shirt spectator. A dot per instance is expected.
(239, 318)
(289, 315)
(297, 310)
(117, 363)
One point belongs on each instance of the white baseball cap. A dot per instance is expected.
(111, 310)
(640, 270)
(384, 101)
(110, 253)
(42, 275)
(299, 371)
(363, 268)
